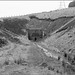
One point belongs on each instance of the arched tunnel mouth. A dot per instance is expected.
(35, 34)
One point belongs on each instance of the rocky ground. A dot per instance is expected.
(40, 44)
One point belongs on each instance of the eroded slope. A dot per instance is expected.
(52, 54)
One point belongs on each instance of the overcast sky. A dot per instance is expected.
(15, 8)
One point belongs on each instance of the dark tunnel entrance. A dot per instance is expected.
(35, 35)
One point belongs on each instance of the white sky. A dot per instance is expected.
(15, 8)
